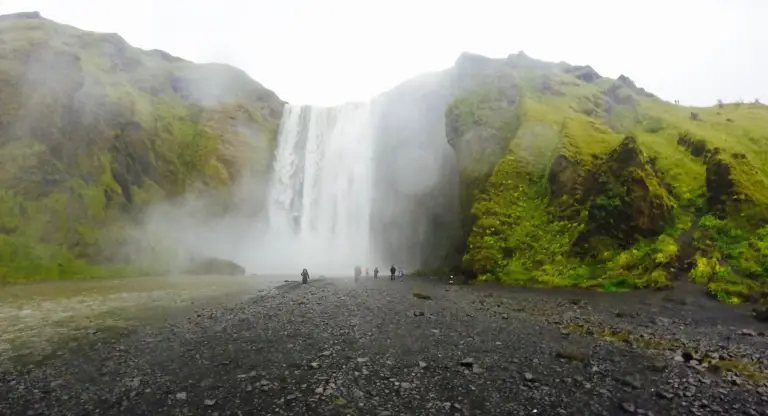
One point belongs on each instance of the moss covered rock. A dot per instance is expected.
(627, 201)
(564, 178)
(721, 187)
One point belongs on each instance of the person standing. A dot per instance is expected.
(401, 273)
(392, 271)
(376, 272)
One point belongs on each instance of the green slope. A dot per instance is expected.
(579, 180)
(92, 130)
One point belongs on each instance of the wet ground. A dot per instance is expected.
(417, 347)
(36, 318)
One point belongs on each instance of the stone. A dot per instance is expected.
(529, 377)
(627, 407)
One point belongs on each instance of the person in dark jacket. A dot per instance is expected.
(392, 271)
(376, 272)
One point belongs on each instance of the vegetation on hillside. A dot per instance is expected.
(93, 130)
(600, 184)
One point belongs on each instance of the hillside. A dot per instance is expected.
(569, 178)
(92, 130)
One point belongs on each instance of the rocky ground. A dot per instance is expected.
(417, 347)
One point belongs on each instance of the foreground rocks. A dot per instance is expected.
(417, 347)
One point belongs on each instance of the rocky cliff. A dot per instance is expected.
(92, 130)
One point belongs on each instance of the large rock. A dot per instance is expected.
(734, 183)
(564, 177)
(213, 265)
(627, 201)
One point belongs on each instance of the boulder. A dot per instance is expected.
(563, 178)
(760, 313)
(214, 265)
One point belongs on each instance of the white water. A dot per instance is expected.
(321, 193)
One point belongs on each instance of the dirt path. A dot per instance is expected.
(333, 347)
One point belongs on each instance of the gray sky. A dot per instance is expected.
(329, 51)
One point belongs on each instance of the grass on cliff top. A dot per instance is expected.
(735, 128)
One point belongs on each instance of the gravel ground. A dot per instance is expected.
(416, 347)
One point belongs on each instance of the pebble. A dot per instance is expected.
(352, 348)
(529, 377)
(627, 407)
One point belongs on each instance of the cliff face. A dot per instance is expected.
(568, 178)
(415, 214)
(92, 130)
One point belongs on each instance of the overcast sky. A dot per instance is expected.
(330, 51)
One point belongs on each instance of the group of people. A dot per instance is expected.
(393, 272)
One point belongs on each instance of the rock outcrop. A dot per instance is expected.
(721, 187)
(627, 201)
(584, 72)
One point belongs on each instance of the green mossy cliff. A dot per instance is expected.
(92, 130)
(569, 178)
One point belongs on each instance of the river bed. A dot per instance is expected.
(36, 318)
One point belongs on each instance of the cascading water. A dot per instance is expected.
(321, 193)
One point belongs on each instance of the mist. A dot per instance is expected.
(369, 184)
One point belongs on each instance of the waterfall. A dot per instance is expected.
(320, 198)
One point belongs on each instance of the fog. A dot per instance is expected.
(369, 184)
